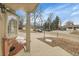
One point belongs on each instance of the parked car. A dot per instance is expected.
(38, 30)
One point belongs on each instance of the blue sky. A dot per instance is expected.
(66, 11)
(20, 12)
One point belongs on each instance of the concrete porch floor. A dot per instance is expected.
(39, 48)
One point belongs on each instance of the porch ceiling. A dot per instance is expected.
(29, 7)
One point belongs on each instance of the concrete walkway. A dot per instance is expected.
(39, 48)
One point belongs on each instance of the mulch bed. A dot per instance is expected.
(68, 45)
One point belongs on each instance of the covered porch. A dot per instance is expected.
(33, 46)
(4, 35)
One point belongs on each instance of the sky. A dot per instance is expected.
(66, 11)
(22, 15)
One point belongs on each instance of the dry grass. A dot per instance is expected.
(67, 45)
(75, 32)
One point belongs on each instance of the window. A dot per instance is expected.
(12, 27)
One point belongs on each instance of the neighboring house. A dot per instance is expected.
(71, 27)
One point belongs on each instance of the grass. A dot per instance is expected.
(75, 32)
(68, 45)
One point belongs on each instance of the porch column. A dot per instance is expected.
(28, 32)
(2, 29)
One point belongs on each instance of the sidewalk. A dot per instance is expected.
(39, 48)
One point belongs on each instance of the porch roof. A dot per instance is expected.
(29, 7)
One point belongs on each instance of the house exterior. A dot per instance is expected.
(9, 26)
(71, 27)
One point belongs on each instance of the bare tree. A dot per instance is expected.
(49, 20)
(48, 23)
(69, 23)
(37, 16)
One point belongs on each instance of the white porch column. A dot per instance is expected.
(28, 32)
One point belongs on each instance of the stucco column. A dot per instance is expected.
(2, 31)
(28, 32)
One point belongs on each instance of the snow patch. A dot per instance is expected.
(21, 39)
(48, 40)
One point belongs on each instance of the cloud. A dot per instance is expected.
(61, 6)
(75, 7)
(61, 13)
(75, 13)
(56, 10)
(51, 9)
(65, 11)
(75, 10)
